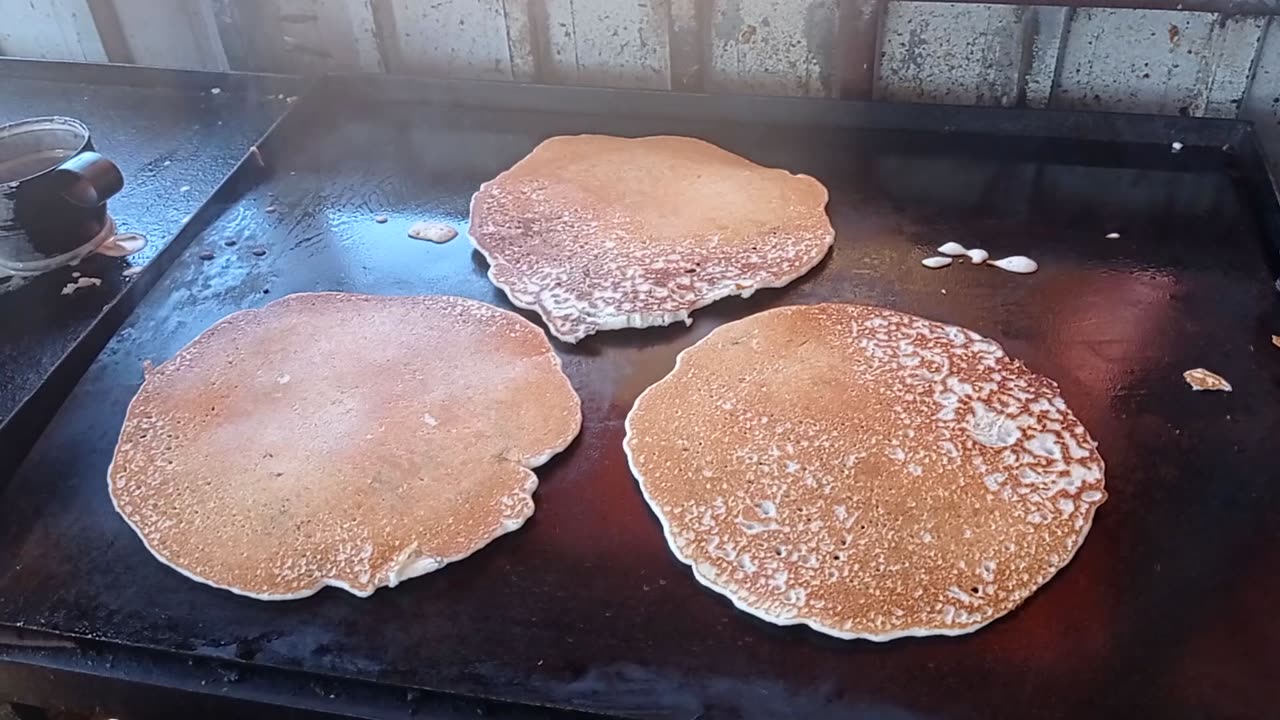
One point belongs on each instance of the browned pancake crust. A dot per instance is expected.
(866, 472)
(334, 439)
(600, 233)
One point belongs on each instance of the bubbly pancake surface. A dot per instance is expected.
(869, 473)
(337, 439)
(596, 232)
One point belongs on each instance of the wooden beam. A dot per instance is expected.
(688, 39)
(187, 39)
(50, 30)
(520, 40)
(1044, 40)
(544, 65)
(858, 45)
(236, 43)
(384, 27)
(110, 31)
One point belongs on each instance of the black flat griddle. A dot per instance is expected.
(167, 130)
(1167, 611)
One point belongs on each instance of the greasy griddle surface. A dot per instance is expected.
(1167, 610)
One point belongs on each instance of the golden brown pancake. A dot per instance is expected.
(868, 473)
(600, 233)
(347, 440)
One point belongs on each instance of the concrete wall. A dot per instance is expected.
(1157, 61)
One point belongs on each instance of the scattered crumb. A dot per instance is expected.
(83, 282)
(291, 99)
(943, 291)
(132, 270)
(1201, 379)
(1177, 146)
(215, 91)
(433, 231)
(379, 218)
(259, 252)
(270, 209)
(256, 156)
(184, 188)
(1275, 340)
(206, 255)
(229, 242)
(76, 274)
(1113, 236)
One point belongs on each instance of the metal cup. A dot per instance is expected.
(53, 194)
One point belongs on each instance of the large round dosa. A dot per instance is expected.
(865, 472)
(599, 233)
(347, 440)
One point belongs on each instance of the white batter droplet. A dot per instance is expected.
(977, 256)
(1020, 264)
(936, 262)
(953, 249)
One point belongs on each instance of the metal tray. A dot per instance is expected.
(1167, 610)
(175, 139)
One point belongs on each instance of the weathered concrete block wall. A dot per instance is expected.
(1160, 61)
